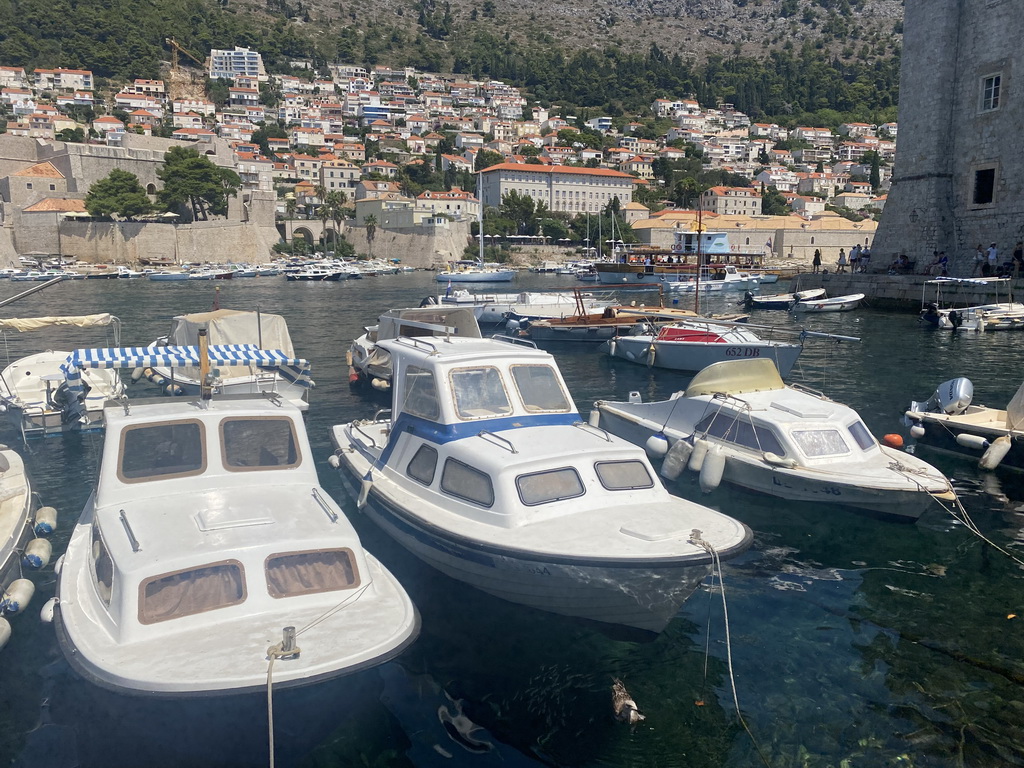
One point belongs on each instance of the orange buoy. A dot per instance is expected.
(893, 440)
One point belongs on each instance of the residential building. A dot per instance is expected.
(731, 200)
(561, 188)
(238, 62)
(456, 203)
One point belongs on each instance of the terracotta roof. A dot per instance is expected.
(57, 205)
(558, 169)
(41, 170)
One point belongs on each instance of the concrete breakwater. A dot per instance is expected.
(906, 292)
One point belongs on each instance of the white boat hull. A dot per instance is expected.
(696, 356)
(469, 276)
(838, 304)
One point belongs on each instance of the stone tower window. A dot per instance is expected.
(990, 92)
(984, 186)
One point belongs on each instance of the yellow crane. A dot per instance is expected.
(176, 48)
(182, 83)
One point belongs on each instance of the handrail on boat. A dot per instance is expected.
(381, 412)
(415, 342)
(358, 427)
(131, 534)
(587, 425)
(319, 499)
(514, 340)
(498, 439)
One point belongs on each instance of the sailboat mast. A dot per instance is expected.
(700, 258)
(480, 213)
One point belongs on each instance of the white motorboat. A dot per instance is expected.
(528, 305)
(835, 304)
(208, 560)
(484, 470)
(32, 392)
(168, 276)
(693, 344)
(995, 316)
(723, 277)
(473, 272)
(949, 421)
(370, 362)
(784, 441)
(317, 274)
(781, 300)
(19, 550)
(230, 326)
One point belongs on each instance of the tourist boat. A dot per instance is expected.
(484, 470)
(22, 546)
(230, 326)
(317, 274)
(781, 300)
(738, 423)
(168, 276)
(208, 559)
(995, 316)
(677, 267)
(948, 421)
(33, 396)
(368, 361)
(722, 278)
(836, 304)
(475, 272)
(695, 343)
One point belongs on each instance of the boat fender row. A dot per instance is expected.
(45, 521)
(37, 554)
(676, 459)
(995, 453)
(17, 596)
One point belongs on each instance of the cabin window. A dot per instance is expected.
(161, 451)
(820, 442)
(465, 482)
(102, 567)
(479, 393)
(196, 590)
(258, 443)
(623, 475)
(740, 432)
(420, 393)
(306, 573)
(553, 485)
(540, 389)
(423, 465)
(861, 435)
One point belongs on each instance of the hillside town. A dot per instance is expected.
(358, 134)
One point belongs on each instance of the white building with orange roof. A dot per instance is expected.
(561, 188)
(456, 203)
(107, 124)
(731, 200)
(380, 167)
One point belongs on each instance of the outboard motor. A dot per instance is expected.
(748, 300)
(951, 397)
(930, 313)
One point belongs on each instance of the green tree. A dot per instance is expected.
(370, 222)
(192, 182)
(71, 135)
(773, 203)
(118, 193)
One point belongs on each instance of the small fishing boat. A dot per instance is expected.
(475, 272)
(781, 300)
(600, 326)
(22, 547)
(484, 470)
(737, 422)
(317, 274)
(208, 559)
(526, 305)
(229, 326)
(836, 304)
(33, 395)
(994, 316)
(692, 344)
(168, 276)
(949, 421)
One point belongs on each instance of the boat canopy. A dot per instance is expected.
(36, 323)
(233, 327)
(733, 377)
(433, 320)
(1015, 411)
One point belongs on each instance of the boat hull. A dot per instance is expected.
(498, 276)
(940, 435)
(696, 356)
(838, 304)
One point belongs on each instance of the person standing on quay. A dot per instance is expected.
(993, 260)
(980, 260)
(816, 261)
(1018, 259)
(841, 264)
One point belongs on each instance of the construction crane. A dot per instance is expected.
(176, 49)
(182, 83)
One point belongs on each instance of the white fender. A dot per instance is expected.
(981, 324)
(651, 354)
(137, 374)
(656, 446)
(46, 521)
(675, 460)
(974, 442)
(173, 389)
(18, 596)
(5, 631)
(47, 611)
(364, 490)
(778, 461)
(700, 449)
(712, 469)
(380, 384)
(995, 453)
(612, 346)
(917, 431)
(334, 460)
(594, 418)
(512, 325)
(37, 554)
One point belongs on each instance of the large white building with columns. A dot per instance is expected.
(560, 187)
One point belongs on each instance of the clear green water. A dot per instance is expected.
(856, 642)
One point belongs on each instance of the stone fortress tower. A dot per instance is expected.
(959, 174)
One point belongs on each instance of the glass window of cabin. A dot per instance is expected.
(623, 475)
(191, 591)
(161, 451)
(479, 393)
(861, 435)
(256, 443)
(820, 442)
(420, 393)
(741, 432)
(464, 482)
(102, 566)
(552, 485)
(305, 573)
(423, 465)
(540, 389)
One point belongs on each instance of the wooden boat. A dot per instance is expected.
(836, 304)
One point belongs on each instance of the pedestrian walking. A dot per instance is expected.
(816, 261)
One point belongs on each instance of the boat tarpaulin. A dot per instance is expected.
(36, 323)
(1015, 411)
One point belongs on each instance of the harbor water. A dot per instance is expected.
(850, 641)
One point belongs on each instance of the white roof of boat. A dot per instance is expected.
(736, 376)
(459, 349)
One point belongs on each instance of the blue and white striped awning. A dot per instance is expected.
(292, 368)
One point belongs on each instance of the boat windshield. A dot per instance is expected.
(258, 443)
(420, 393)
(479, 393)
(861, 435)
(102, 566)
(820, 442)
(540, 389)
(162, 451)
(740, 432)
